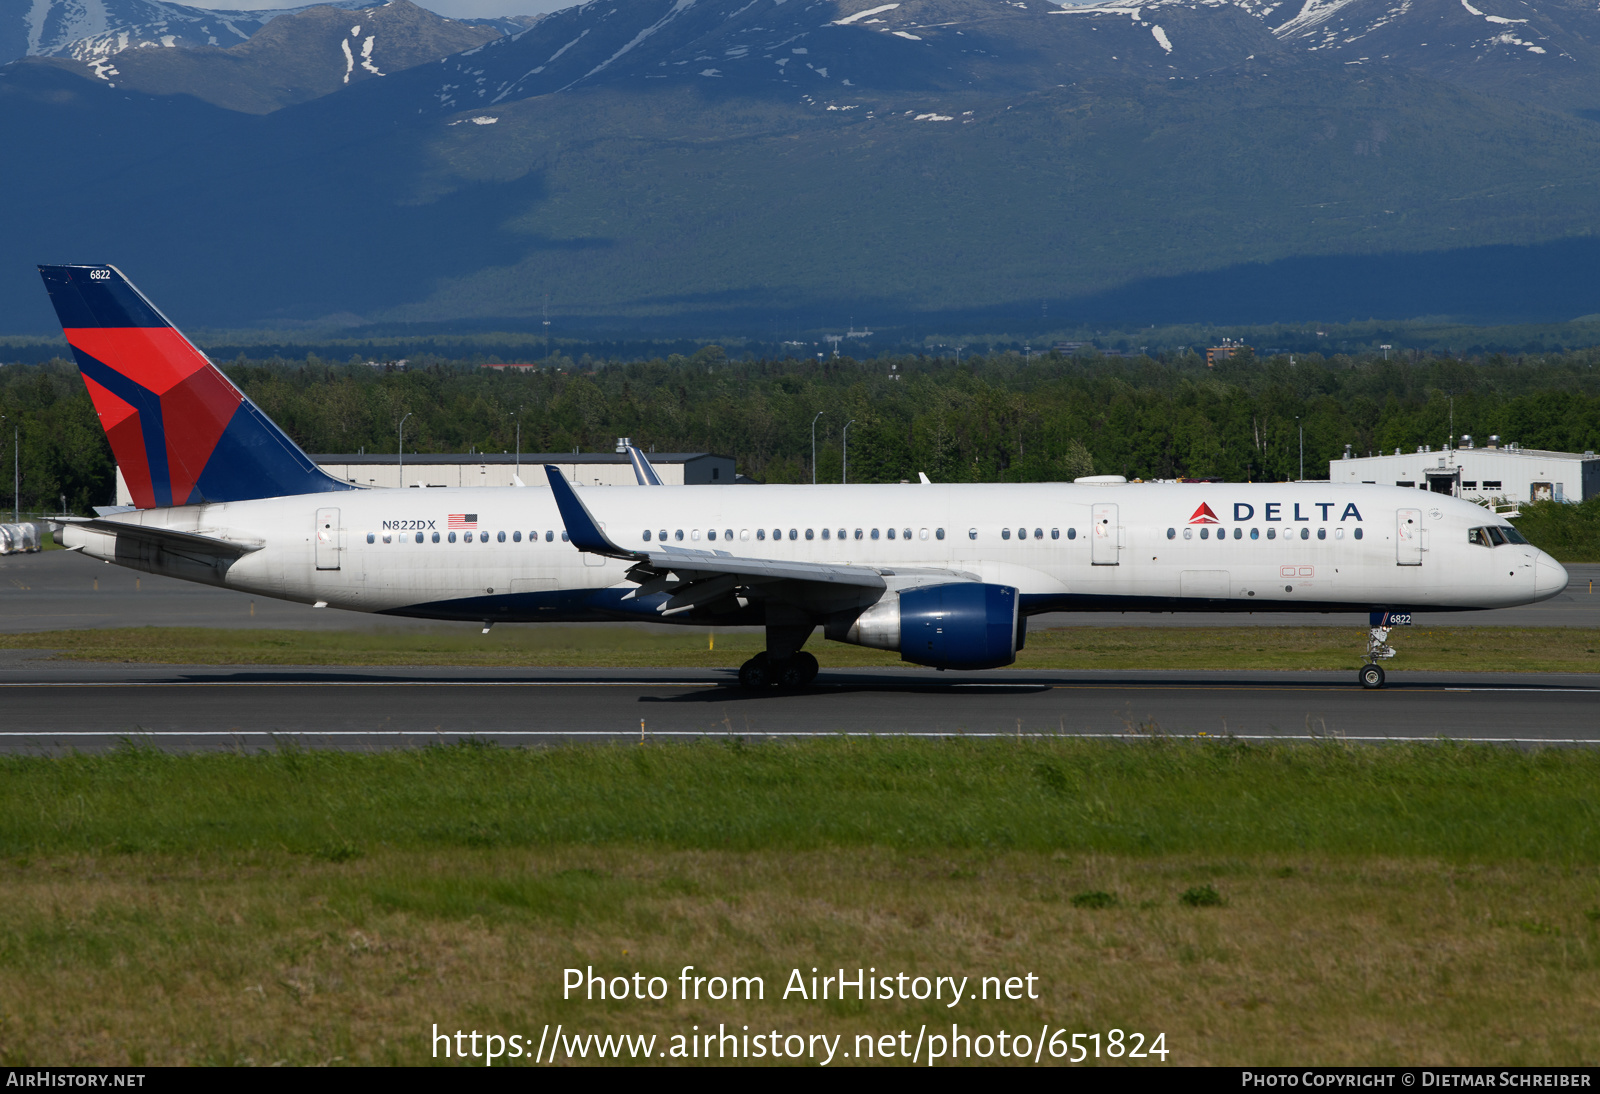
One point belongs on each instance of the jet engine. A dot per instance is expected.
(961, 625)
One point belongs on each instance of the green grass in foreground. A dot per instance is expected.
(1428, 903)
(1461, 649)
(1143, 797)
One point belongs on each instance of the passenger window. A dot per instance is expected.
(761, 533)
(436, 537)
(711, 533)
(727, 534)
(938, 533)
(694, 534)
(744, 533)
(1205, 533)
(842, 535)
(549, 537)
(386, 537)
(678, 535)
(1358, 533)
(891, 533)
(825, 533)
(1338, 533)
(905, 534)
(1322, 533)
(1188, 533)
(794, 533)
(1055, 533)
(419, 537)
(1038, 533)
(1305, 533)
(516, 537)
(1255, 533)
(483, 537)
(1238, 533)
(1272, 533)
(858, 533)
(500, 537)
(1172, 533)
(777, 533)
(1072, 533)
(972, 533)
(564, 537)
(874, 533)
(809, 534)
(661, 535)
(1022, 533)
(452, 538)
(923, 534)
(371, 538)
(647, 535)
(1005, 533)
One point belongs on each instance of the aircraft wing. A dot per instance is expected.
(701, 575)
(166, 537)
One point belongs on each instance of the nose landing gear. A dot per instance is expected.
(1378, 648)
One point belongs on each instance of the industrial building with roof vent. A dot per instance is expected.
(1493, 472)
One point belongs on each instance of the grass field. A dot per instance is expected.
(1429, 903)
(1528, 649)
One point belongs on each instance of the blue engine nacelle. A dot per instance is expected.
(962, 625)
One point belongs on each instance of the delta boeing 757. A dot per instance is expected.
(945, 575)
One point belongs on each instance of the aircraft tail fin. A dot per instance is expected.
(181, 432)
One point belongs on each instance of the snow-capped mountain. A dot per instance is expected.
(88, 29)
(825, 47)
(298, 56)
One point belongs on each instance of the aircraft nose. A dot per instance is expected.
(1549, 577)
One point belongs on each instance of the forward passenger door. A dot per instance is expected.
(1103, 536)
(1408, 537)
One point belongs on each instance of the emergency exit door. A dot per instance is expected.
(328, 533)
(1408, 537)
(1103, 536)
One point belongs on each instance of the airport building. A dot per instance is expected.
(424, 469)
(1505, 472)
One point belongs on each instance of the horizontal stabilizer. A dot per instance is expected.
(169, 538)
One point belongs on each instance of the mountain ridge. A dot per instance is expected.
(649, 161)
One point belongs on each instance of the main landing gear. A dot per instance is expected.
(795, 671)
(1378, 649)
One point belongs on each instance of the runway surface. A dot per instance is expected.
(57, 706)
(60, 590)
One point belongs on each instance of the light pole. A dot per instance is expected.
(400, 455)
(820, 413)
(16, 471)
(519, 441)
(1301, 427)
(845, 477)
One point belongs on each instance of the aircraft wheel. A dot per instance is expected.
(755, 673)
(1371, 676)
(796, 672)
(808, 667)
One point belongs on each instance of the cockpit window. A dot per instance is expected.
(1512, 535)
(1496, 535)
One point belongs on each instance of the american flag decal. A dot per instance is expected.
(462, 520)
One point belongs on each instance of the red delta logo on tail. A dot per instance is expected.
(1204, 515)
(181, 432)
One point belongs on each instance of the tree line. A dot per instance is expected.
(1004, 417)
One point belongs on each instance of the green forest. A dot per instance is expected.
(1004, 417)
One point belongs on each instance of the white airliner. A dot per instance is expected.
(946, 575)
